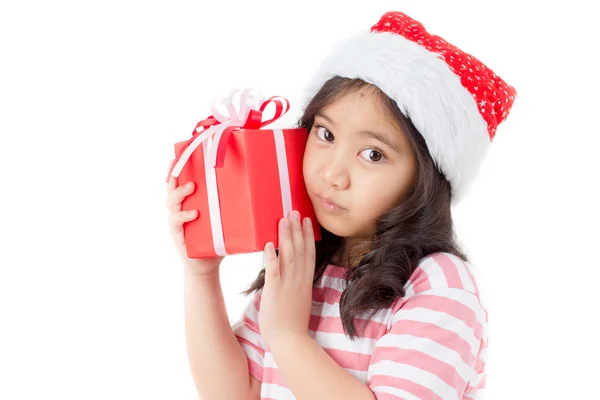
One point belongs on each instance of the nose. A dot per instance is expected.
(335, 171)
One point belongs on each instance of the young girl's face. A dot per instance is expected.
(357, 165)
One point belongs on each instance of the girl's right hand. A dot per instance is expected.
(196, 266)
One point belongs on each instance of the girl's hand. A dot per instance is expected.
(197, 266)
(286, 300)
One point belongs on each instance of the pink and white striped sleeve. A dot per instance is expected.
(435, 339)
(247, 332)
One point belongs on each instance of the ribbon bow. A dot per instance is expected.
(217, 128)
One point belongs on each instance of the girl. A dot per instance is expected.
(385, 306)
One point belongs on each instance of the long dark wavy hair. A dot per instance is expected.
(379, 268)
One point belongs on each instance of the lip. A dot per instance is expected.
(329, 204)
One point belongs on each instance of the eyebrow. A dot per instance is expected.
(375, 135)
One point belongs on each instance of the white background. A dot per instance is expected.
(94, 94)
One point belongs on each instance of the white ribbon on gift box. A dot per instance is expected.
(210, 143)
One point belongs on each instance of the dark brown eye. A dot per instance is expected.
(328, 136)
(375, 155)
(372, 155)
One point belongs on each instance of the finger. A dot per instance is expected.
(171, 184)
(170, 189)
(309, 248)
(297, 243)
(175, 198)
(272, 271)
(286, 248)
(178, 219)
(172, 180)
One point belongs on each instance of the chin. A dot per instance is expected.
(335, 224)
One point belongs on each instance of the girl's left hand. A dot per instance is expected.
(286, 300)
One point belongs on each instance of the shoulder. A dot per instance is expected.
(441, 322)
(443, 286)
(442, 271)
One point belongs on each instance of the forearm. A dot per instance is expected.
(311, 374)
(217, 360)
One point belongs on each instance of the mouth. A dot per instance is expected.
(330, 205)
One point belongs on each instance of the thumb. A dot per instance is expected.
(271, 263)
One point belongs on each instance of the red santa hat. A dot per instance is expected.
(453, 99)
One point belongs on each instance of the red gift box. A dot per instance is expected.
(246, 179)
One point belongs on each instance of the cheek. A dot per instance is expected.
(380, 195)
(308, 166)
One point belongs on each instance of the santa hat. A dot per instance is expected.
(453, 99)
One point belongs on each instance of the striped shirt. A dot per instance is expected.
(430, 344)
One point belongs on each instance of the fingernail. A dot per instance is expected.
(295, 215)
(286, 223)
(307, 222)
(269, 247)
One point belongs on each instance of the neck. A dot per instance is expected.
(351, 252)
